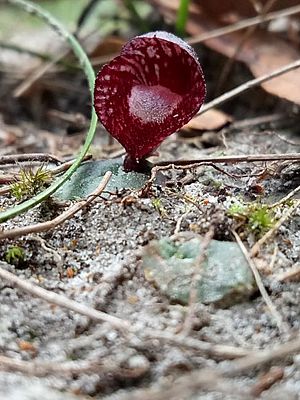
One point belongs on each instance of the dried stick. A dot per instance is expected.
(63, 167)
(46, 226)
(206, 348)
(42, 157)
(286, 198)
(277, 317)
(36, 74)
(246, 35)
(263, 357)
(265, 119)
(55, 171)
(248, 85)
(291, 274)
(227, 159)
(5, 179)
(213, 379)
(255, 249)
(218, 351)
(246, 23)
(62, 301)
(40, 369)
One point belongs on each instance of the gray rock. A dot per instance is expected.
(224, 277)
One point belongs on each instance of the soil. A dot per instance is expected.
(93, 258)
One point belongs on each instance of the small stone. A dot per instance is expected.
(138, 361)
(225, 277)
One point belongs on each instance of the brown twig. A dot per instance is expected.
(283, 139)
(62, 301)
(46, 226)
(40, 369)
(277, 317)
(6, 179)
(291, 274)
(248, 85)
(246, 23)
(255, 249)
(210, 349)
(41, 157)
(286, 198)
(63, 167)
(213, 379)
(227, 159)
(36, 74)
(265, 119)
(267, 380)
(246, 35)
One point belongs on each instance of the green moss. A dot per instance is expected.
(261, 218)
(15, 255)
(255, 217)
(30, 182)
(157, 204)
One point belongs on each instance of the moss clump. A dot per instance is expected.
(30, 182)
(255, 217)
(15, 255)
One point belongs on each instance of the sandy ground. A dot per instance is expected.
(102, 246)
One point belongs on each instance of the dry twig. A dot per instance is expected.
(39, 368)
(62, 301)
(17, 158)
(179, 164)
(214, 379)
(255, 249)
(46, 226)
(246, 23)
(277, 317)
(286, 198)
(249, 32)
(210, 349)
(249, 85)
(291, 274)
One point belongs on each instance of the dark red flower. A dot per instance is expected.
(148, 92)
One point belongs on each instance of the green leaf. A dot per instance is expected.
(88, 176)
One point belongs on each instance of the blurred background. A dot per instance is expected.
(43, 92)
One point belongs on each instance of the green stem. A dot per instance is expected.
(89, 72)
(182, 15)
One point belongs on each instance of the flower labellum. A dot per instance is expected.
(153, 88)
